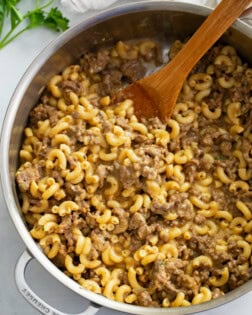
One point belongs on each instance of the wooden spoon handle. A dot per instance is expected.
(181, 65)
(210, 31)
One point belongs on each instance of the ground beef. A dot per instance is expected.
(103, 171)
(215, 99)
(148, 172)
(125, 173)
(123, 122)
(177, 203)
(165, 216)
(59, 260)
(133, 70)
(71, 86)
(94, 63)
(246, 197)
(145, 299)
(65, 229)
(123, 220)
(111, 81)
(199, 219)
(246, 148)
(167, 275)
(25, 176)
(162, 208)
(152, 150)
(99, 240)
(225, 148)
(206, 245)
(91, 219)
(93, 254)
(190, 170)
(42, 149)
(160, 277)
(138, 223)
(43, 112)
(218, 196)
(76, 134)
(74, 190)
(240, 93)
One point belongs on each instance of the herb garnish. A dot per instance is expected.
(19, 22)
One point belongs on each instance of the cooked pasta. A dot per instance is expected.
(142, 212)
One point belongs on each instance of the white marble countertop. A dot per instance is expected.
(14, 59)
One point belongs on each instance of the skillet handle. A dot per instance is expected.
(33, 298)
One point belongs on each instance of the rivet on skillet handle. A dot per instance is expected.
(33, 298)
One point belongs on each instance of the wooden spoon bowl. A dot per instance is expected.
(156, 94)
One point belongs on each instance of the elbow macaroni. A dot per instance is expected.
(139, 211)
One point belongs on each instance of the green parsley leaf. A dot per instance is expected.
(10, 4)
(16, 16)
(2, 8)
(2, 14)
(20, 23)
(56, 21)
(36, 18)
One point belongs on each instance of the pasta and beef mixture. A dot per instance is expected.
(143, 212)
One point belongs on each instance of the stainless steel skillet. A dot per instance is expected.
(162, 20)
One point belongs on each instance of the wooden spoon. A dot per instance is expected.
(156, 94)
